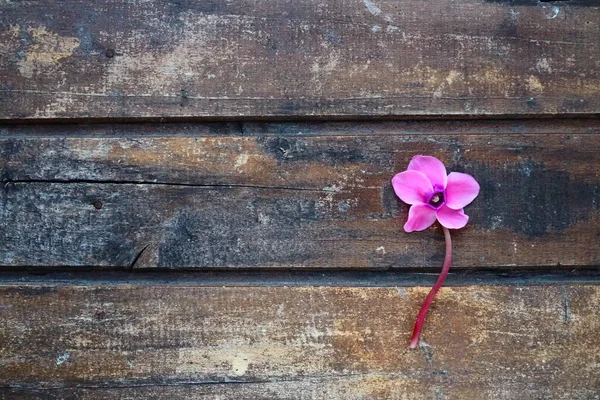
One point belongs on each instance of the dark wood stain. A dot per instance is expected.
(290, 201)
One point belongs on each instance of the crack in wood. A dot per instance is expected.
(150, 183)
(135, 260)
(141, 383)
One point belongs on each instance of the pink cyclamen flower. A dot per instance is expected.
(433, 194)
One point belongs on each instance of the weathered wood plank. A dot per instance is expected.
(132, 341)
(290, 201)
(79, 59)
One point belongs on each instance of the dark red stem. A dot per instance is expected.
(414, 341)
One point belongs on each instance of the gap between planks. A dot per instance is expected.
(115, 128)
(405, 277)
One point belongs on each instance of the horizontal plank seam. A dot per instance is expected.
(283, 278)
(267, 118)
(250, 134)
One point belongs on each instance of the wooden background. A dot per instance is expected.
(195, 199)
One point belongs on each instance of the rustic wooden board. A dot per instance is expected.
(314, 200)
(80, 59)
(132, 341)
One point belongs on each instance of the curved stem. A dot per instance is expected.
(414, 341)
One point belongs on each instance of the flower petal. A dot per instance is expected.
(432, 168)
(452, 219)
(420, 217)
(412, 187)
(461, 190)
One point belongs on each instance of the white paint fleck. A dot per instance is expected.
(375, 28)
(263, 219)
(497, 222)
(281, 311)
(401, 292)
(543, 65)
(391, 28)
(325, 66)
(452, 75)
(514, 14)
(526, 170)
(331, 190)
(239, 365)
(62, 358)
(373, 9)
(381, 250)
(343, 206)
(550, 12)
(241, 160)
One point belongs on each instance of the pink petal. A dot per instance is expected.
(420, 217)
(452, 219)
(432, 168)
(461, 190)
(412, 187)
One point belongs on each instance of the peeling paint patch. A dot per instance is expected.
(239, 365)
(448, 81)
(534, 84)
(452, 75)
(45, 51)
(328, 66)
(552, 12)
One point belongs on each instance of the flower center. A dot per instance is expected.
(437, 199)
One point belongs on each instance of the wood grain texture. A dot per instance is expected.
(130, 341)
(125, 59)
(289, 200)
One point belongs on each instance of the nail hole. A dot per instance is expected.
(110, 53)
(97, 204)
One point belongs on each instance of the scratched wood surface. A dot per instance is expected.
(303, 196)
(233, 138)
(133, 341)
(79, 59)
